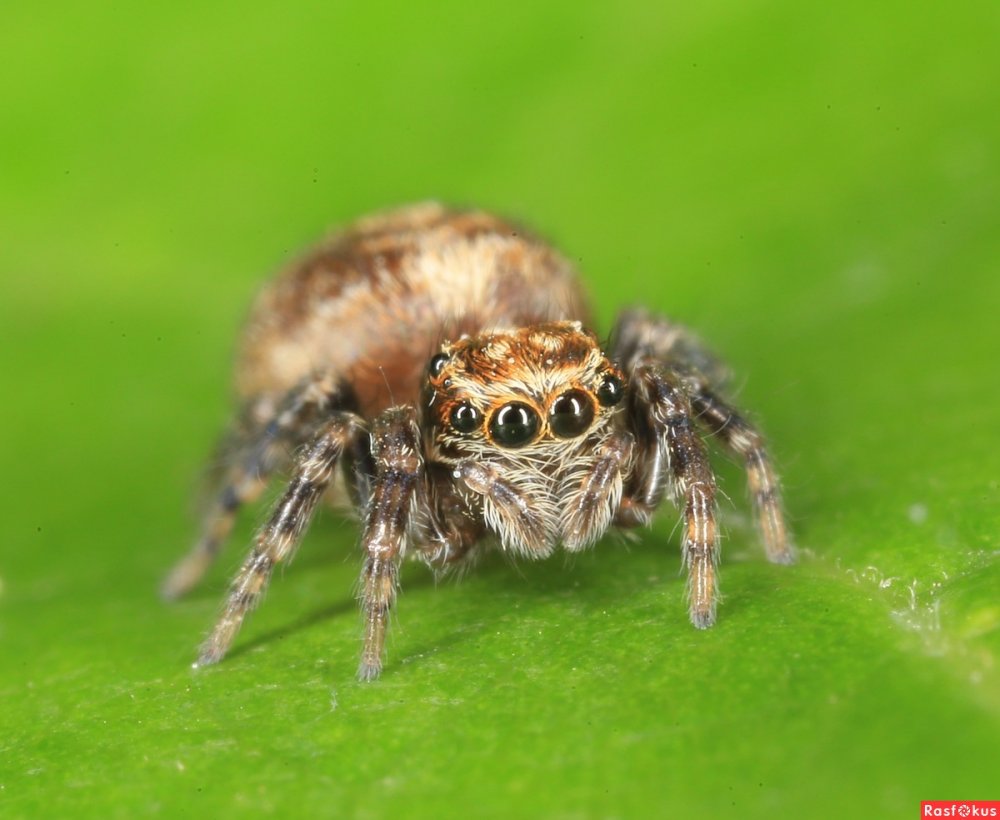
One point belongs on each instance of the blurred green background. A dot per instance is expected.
(813, 188)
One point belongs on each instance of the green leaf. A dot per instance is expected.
(813, 190)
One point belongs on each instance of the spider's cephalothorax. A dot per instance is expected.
(440, 358)
(534, 407)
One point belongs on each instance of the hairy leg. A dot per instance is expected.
(671, 456)
(397, 488)
(640, 335)
(743, 440)
(252, 456)
(281, 534)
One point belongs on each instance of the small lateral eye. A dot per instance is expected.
(514, 425)
(437, 364)
(465, 418)
(611, 391)
(571, 414)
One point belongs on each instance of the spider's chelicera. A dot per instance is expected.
(441, 359)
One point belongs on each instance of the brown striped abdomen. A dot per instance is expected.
(373, 303)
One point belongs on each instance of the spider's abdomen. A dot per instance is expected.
(373, 303)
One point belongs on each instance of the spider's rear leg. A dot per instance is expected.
(281, 534)
(671, 456)
(640, 335)
(253, 455)
(743, 440)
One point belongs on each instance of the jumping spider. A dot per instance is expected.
(439, 357)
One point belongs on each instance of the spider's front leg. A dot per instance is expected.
(281, 534)
(672, 456)
(397, 489)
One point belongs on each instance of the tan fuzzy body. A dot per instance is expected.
(435, 369)
(373, 303)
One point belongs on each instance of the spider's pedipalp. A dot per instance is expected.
(519, 519)
(593, 502)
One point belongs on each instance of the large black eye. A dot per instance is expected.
(571, 414)
(611, 391)
(465, 418)
(437, 364)
(514, 425)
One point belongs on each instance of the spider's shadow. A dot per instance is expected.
(300, 623)
(418, 578)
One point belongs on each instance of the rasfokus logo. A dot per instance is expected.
(960, 808)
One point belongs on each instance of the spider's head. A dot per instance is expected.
(535, 391)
